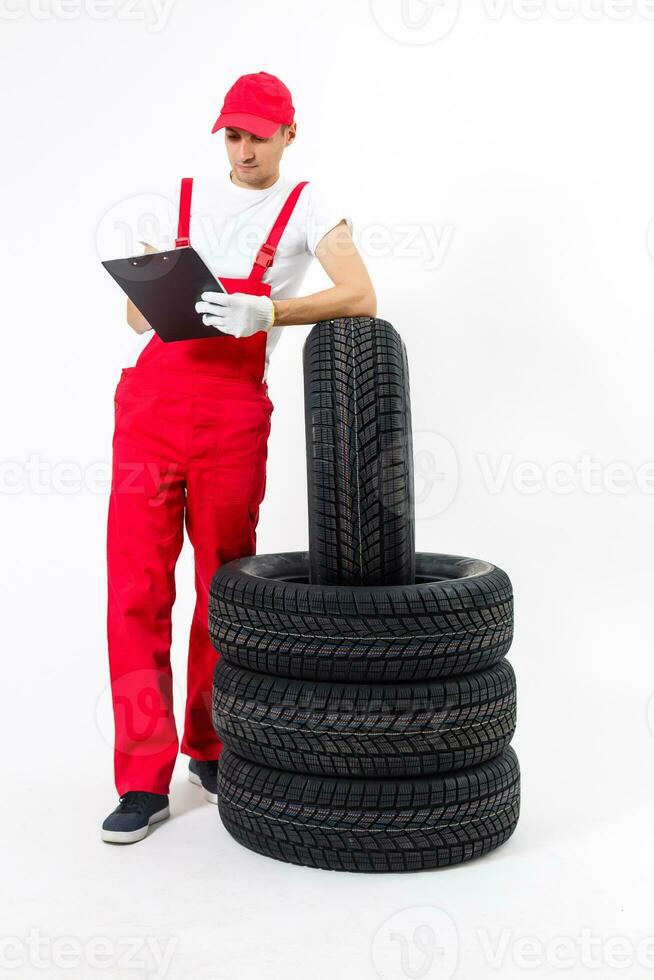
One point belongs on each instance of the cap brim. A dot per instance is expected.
(244, 120)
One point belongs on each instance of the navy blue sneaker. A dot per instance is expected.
(205, 774)
(131, 819)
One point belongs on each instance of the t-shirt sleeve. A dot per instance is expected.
(323, 214)
(156, 221)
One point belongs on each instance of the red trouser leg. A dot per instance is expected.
(208, 438)
(226, 477)
(145, 532)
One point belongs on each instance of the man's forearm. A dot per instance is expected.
(325, 305)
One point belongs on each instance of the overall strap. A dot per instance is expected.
(183, 229)
(266, 253)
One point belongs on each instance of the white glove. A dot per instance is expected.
(237, 313)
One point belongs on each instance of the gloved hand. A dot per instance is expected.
(236, 313)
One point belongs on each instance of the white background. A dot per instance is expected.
(520, 139)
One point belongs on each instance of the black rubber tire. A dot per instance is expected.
(369, 824)
(456, 618)
(357, 409)
(363, 730)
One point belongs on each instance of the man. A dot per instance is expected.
(191, 431)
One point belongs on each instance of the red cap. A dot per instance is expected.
(258, 103)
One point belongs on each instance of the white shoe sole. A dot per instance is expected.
(211, 797)
(130, 836)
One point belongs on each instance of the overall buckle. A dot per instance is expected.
(265, 255)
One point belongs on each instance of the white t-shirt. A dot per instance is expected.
(229, 224)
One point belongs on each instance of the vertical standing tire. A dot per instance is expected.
(359, 454)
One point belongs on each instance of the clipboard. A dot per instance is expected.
(164, 287)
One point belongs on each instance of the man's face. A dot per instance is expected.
(254, 159)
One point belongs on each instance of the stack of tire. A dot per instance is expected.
(362, 691)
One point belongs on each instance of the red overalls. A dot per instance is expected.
(192, 420)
